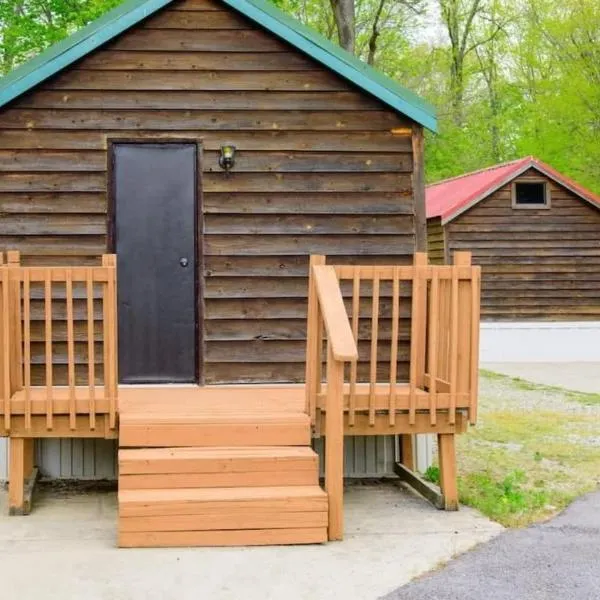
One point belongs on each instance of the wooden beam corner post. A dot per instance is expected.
(21, 477)
(334, 446)
(418, 184)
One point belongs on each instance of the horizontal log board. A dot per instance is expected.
(331, 141)
(193, 5)
(157, 120)
(172, 19)
(285, 308)
(52, 224)
(306, 244)
(199, 100)
(286, 266)
(199, 61)
(199, 40)
(304, 224)
(318, 170)
(370, 203)
(288, 329)
(288, 287)
(53, 202)
(249, 161)
(196, 80)
(536, 264)
(282, 372)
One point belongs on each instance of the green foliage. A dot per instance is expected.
(29, 26)
(503, 500)
(432, 474)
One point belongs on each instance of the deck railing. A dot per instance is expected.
(55, 316)
(391, 385)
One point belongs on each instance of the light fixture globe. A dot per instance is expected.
(227, 157)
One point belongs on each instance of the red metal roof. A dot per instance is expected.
(450, 197)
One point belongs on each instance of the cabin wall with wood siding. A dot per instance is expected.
(436, 244)
(317, 171)
(537, 264)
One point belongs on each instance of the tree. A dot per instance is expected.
(343, 11)
(29, 26)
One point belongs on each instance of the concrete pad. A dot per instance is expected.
(578, 376)
(66, 549)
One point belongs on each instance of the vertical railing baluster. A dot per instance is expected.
(374, 340)
(89, 284)
(433, 328)
(27, 346)
(475, 316)
(354, 365)
(5, 341)
(417, 332)
(70, 349)
(394, 344)
(48, 347)
(453, 344)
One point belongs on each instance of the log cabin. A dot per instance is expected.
(536, 234)
(212, 152)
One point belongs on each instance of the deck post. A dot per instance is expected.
(407, 453)
(20, 469)
(314, 343)
(447, 458)
(334, 445)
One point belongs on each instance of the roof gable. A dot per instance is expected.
(451, 197)
(262, 12)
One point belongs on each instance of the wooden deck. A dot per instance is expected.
(218, 467)
(233, 465)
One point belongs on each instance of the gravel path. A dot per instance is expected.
(502, 393)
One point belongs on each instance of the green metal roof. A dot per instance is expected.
(262, 12)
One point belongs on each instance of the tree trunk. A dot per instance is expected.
(343, 11)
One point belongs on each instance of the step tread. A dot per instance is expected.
(215, 452)
(232, 494)
(195, 417)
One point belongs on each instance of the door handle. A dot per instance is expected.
(183, 262)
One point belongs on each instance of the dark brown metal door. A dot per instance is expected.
(154, 191)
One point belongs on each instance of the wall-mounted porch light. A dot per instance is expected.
(227, 157)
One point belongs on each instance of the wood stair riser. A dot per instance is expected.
(157, 435)
(250, 537)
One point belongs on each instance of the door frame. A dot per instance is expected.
(111, 240)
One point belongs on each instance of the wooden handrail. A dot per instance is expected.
(326, 306)
(337, 326)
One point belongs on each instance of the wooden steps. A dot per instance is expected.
(208, 467)
(217, 469)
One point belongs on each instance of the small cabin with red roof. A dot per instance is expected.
(536, 234)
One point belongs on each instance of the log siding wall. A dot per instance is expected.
(317, 171)
(536, 264)
(436, 241)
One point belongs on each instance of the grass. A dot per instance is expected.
(519, 466)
